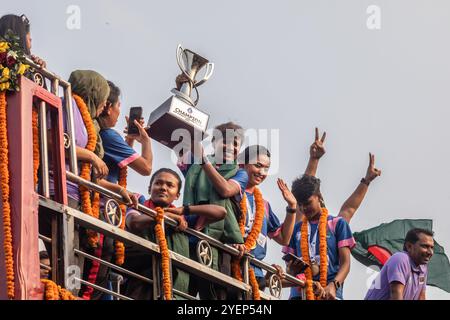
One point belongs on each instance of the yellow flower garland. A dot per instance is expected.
(87, 207)
(164, 250)
(304, 245)
(4, 182)
(251, 239)
(120, 247)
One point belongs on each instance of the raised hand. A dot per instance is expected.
(287, 194)
(180, 80)
(317, 150)
(372, 172)
(142, 137)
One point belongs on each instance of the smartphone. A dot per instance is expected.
(289, 256)
(135, 114)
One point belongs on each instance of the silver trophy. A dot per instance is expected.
(180, 111)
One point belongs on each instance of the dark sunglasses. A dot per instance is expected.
(25, 19)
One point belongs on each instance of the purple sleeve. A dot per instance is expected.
(398, 268)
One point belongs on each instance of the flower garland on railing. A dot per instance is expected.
(304, 245)
(4, 175)
(12, 65)
(251, 239)
(164, 250)
(36, 151)
(120, 247)
(88, 207)
(55, 292)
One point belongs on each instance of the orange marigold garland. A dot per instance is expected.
(304, 245)
(36, 151)
(55, 292)
(4, 182)
(120, 247)
(87, 207)
(254, 284)
(251, 239)
(164, 250)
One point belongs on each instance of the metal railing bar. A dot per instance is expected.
(113, 266)
(108, 230)
(271, 269)
(202, 236)
(96, 287)
(46, 73)
(44, 266)
(90, 185)
(183, 295)
(45, 239)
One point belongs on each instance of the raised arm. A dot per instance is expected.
(143, 164)
(316, 151)
(352, 204)
(225, 188)
(210, 211)
(287, 228)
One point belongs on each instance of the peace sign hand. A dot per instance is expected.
(372, 172)
(317, 150)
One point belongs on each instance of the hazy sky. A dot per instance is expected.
(291, 66)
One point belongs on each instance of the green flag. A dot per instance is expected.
(375, 245)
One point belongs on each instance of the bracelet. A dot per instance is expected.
(365, 181)
(186, 210)
(337, 284)
(291, 210)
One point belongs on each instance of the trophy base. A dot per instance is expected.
(176, 122)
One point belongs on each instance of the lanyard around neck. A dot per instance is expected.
(312, 244)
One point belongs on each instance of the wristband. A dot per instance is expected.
(186, 210)
(291, 210)
(365, 181)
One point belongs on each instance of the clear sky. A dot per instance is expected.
(288, 66)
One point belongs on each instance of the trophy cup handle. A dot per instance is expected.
(208, 74)
(180, 62)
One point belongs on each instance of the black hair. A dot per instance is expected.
(251, 153)
(305, 187)
(19, 26)
(114, 93)
(170, 171)
(43, 255)
(223, 128)
(413, 236)
(113, 98)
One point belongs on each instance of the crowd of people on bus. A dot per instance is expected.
(221, 198)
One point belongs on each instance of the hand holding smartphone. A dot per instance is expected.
(295, 262)
(135, 114)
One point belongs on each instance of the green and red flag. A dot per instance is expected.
(376, 245)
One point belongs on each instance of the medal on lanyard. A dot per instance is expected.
(312, 252)
(251, 218)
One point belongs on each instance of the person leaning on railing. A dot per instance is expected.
(164, 189)
(21, 28)
(257, 160)
(118, 154)
(217, 179)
